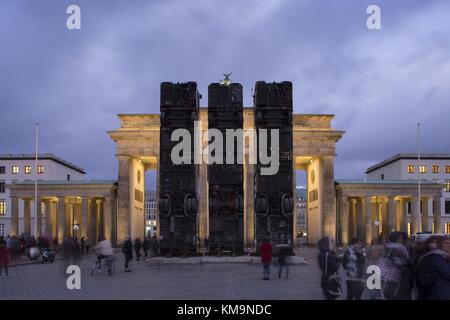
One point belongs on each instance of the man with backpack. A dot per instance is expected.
(433, 270)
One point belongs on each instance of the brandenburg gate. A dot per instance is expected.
(314, 151)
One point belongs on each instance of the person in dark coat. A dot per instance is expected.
(266, 258)
(438, 271)
(282, 260)
(137, 248)
(82, 245)
(127, 250)
(146, 246)
(354, 262)
(75, 251)
(329, 264)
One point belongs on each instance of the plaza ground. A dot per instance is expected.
(165, 280)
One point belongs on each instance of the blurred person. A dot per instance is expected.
(396, 274)
(103, 250)
(127, 250)
(137, 248)
(82, 245)
(354, 263)
(266, 258)
(146, 246)
(433, 270)
(329, 264)
(282, 260)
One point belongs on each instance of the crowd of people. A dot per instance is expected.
(408, 269)
(13, 248)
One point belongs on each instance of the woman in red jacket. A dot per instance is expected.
(266, 258)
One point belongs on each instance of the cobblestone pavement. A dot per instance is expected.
(150, 281)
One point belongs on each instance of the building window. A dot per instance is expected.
(15, 169)
(40, 169)
(409, 229)
(447, 206)
(423, 169)
(28, 169)
(2, 187)
(409, 207)
(435, 169)
(68, 177)
(410, 168)
(447, 186)
(2, 207)
(2, 229)
(382, 176)
(2, 170)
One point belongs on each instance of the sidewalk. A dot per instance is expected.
(294, 260)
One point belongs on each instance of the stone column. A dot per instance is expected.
(84, 216)
(100, 224)
(14, 216)
(360, 229)
(48, 217)
(384, 217)
(344, 220)
(328, 197)
(415, 215)
(368, 219)
(107, 218)
(61, 220)
(437, 214)
(249, 209)
(92, 232)
(353, 220)
(390, 215)
(202, 187)
(27, 216)
(38, 218)
(425, 224)
(403, 215)
(123, 199)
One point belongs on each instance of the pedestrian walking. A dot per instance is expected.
(82, 245)
(396, 271)
(354, 262)
(266, 258)
(433, 270)
(329, 264)
(137, 248)
(146, 246)
(75, 251)
(127, 250)
(282, 260)
(87, 245)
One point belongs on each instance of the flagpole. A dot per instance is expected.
(35, 183)
(418, 179)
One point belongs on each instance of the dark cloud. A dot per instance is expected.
(378, 83)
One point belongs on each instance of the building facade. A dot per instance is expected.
(369, 208)
(75, 208)
(432, 167)
(22, 167)
(151, 217)
(301, 211)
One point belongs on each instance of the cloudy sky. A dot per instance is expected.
(379, 83)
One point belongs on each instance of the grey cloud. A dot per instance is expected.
(75, 82)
